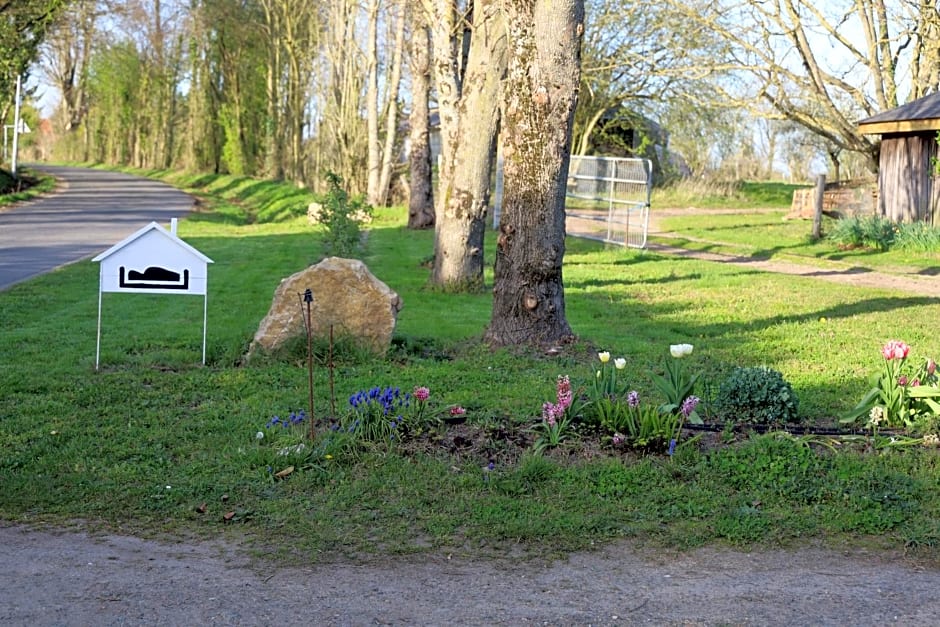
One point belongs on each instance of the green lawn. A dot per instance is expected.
(154, 442)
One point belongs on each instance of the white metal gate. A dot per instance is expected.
(609, 199)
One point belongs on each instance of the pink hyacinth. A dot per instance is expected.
(422, 393)
(552, 412)
(895, 349)
(457, 410)
(564, 392)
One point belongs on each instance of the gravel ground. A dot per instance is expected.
(77, 578)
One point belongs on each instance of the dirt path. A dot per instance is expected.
(833, 271)
(69, 578)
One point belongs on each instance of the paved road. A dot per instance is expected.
(93, 210)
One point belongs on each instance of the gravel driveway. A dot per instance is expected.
(73, 578)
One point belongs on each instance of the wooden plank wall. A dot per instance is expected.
(909, 191)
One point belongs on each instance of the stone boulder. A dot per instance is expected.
(345, 294)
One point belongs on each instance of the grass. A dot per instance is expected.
(28, 185)
(708, 194)
(770, 235)
(154, 443)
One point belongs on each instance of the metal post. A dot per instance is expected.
(205, 320)
(308, 299)
(16, 126)
(332, 395)
(98, 341)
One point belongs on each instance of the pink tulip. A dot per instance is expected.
(895, 349)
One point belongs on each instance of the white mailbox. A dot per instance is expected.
(153, 261)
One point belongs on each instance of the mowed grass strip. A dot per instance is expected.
(153, 442)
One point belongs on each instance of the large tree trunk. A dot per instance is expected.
(421, 198)
(465, 182)
(538, 112)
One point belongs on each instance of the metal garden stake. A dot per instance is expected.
(308, 325)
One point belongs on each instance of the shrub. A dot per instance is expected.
(342, 216)
(758, 395)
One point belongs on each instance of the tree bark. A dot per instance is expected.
(391, 105)
(421, 199)
(538, 110)
(465, 180)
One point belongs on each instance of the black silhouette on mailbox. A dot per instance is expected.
(153, 278)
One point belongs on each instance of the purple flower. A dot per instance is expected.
(633, 399)
(689, 405)
(672, 446)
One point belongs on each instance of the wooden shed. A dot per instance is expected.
(908, 190)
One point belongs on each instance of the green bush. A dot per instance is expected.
(342, 216)
(873, 232)
(758, 395)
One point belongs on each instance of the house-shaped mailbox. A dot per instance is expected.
(153, 261)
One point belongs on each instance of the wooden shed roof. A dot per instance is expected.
(922, 114)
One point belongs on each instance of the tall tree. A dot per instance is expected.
(823, 65)
(341, 135)
(468, 93)
(382, 149)
(421, 191)
(636, 55)
(23, 28)
(544, 67)
(66, 55)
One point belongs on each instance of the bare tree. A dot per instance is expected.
(341, 134)
(538, 104)
(66, 55)
(382, 149)
(637, 55)
(421, 196)
(823, 65)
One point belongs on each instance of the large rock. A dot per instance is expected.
(345, 295)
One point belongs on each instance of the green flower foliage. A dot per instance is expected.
(758, 395)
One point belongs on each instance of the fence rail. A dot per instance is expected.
(609, 199)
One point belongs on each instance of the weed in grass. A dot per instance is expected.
(743, 523)
(872, 496)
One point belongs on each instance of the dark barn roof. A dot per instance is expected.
(918, 115)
